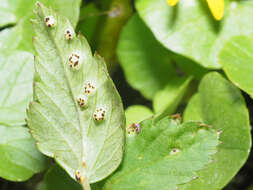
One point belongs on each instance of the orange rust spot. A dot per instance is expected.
(84, 164)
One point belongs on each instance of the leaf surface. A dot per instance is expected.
(190, 30)
(164, 154)
(220, 104)
(137, 113)
(19, 158)
(145, 62)
(237, 61)
(63, 127)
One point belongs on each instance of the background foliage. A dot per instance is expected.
(163, 59)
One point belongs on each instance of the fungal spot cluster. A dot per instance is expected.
(174, 151)
(81, 100)
(74, 60)
(69, 33)
(89, 88)
(99, 114)
(134, 128)
(78, 176)
(50, 21)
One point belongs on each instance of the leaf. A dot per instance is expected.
(68, 99)
(145, 62)
(167, 99)
(164, 154)
(217, 8)
(16, 67)
(19, 156)
(188, 28)
(172, 2)
(221, 105)
(57, 178)
(15, 87)
(237, 61)
(137, 113)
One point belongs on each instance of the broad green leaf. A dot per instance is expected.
(167, 99)
(89, 16)
(16, 61)
(145, 62)
(237, 61)
(57, 178)
(217, 8)
(137, 113)
(68, 100)
(163, 155)
(19, 158)
(221, 105)
(193, 109)
(16, 73)
(189, 29)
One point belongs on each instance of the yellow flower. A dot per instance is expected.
(216, 7)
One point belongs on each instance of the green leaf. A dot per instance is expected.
(167, 99)
(19, 156)
(16, 63)
(137, 113)
(57, 178)
(190, 30)
(65, 128)
(221, 105)
(15, 86)
(145, 62)
(164, 154)
(237, 61)
(89, 16)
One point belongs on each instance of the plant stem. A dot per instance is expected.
(86, 185)
(109, 29)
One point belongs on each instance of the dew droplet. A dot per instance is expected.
(50, 21)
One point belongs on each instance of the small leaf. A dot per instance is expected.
(163, 155)
(19, 158)
(217, 8)
(136, 114)
(77, 116)
(221, 105)
(145, 62)
(167, 99)
(237, 61)
(172, 2)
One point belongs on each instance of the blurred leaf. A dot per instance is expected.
(193, 109)
(7, 14)
(145, 62)
(16, 65)
(86, 148)
(167, 99)
(222, 106)
(164, 154)
(237, 61)
(16, 73)
(189, 29)
(19, 157)
(137, 113)
(89, 16)
(57, 178)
